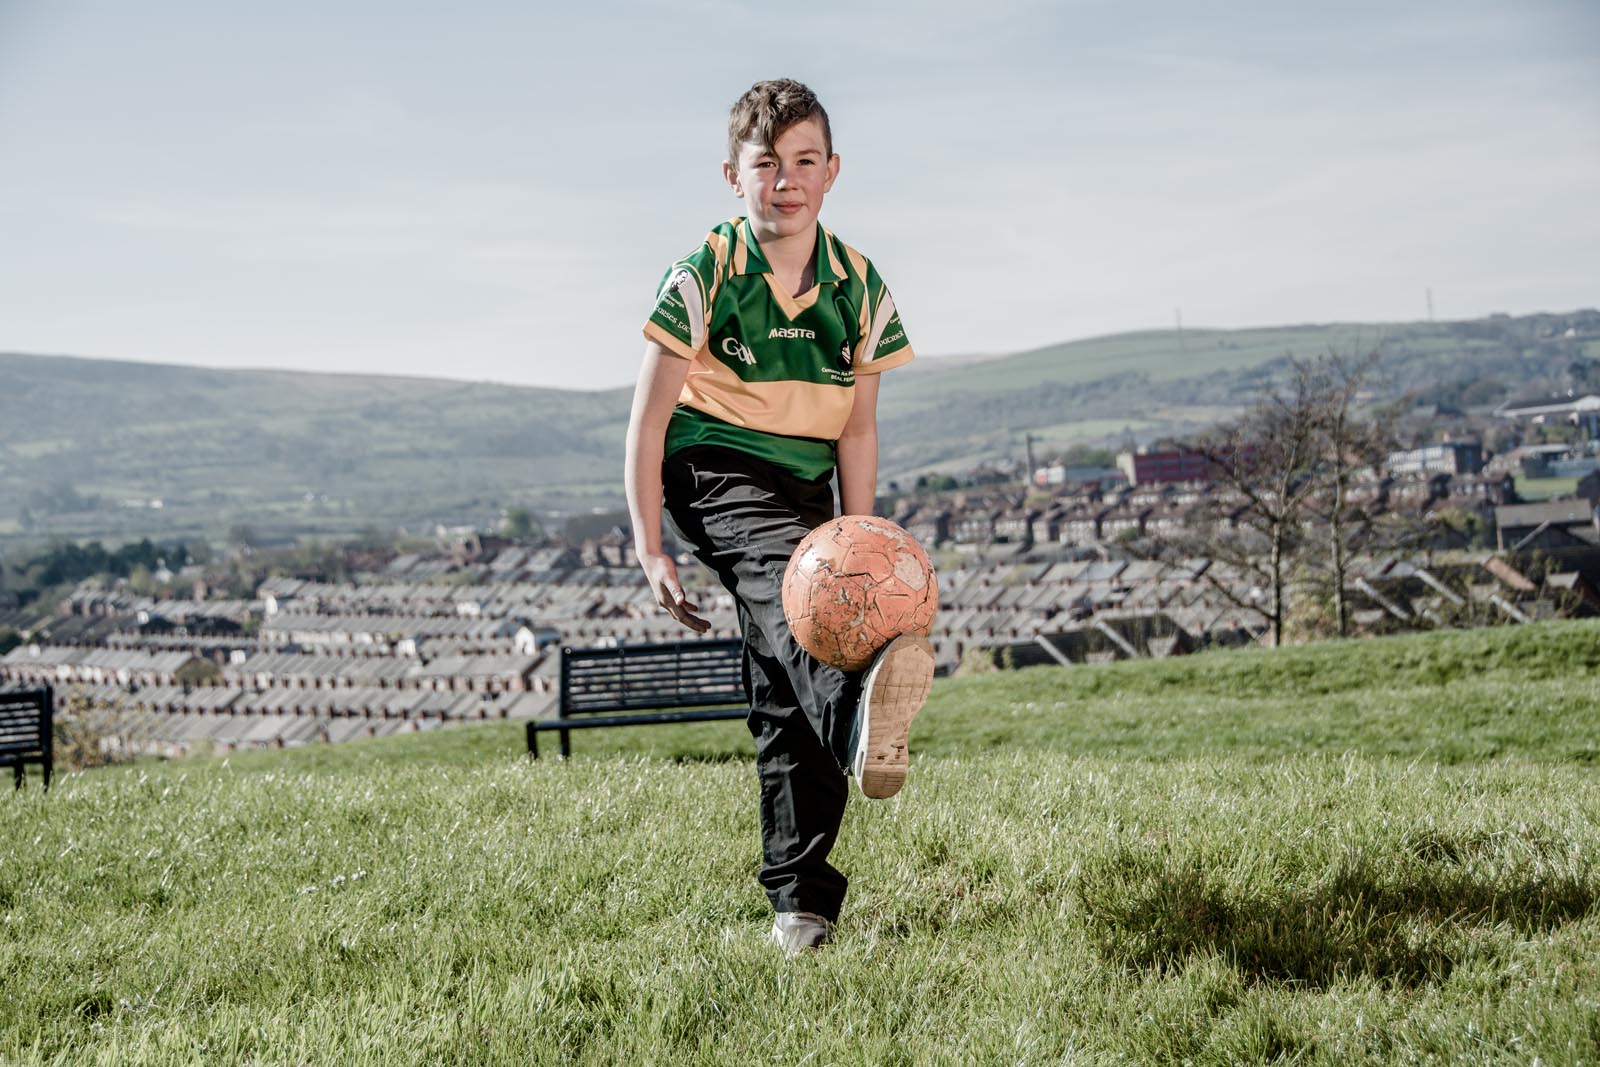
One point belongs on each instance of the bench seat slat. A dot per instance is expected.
(695, 681)
(656, 681)
(700, 715)
(645, 705)
(604, 692)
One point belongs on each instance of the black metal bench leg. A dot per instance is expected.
(47, 775)
(566, 744)
(17, 770)
(533, 741)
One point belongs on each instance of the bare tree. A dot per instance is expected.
(1347, 443)
(1265, 464)
(1298, 498)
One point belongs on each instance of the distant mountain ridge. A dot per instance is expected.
(87, 447)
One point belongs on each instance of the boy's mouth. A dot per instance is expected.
(790, 209)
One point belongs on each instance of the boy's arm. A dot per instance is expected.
(857, 449)
(661, 379)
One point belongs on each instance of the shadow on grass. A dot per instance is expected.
(1406, 919)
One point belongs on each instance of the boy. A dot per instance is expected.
(760, 378)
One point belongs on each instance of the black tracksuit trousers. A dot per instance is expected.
(743, 518)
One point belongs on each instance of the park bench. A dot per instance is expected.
(637, 685)
(26, 727)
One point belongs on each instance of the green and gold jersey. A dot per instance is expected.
(772, 374)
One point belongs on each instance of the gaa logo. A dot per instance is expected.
(732, 347)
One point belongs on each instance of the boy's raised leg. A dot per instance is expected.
(894, 690)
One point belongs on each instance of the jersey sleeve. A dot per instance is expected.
(682, 311)
(883, 343)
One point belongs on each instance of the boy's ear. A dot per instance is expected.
(730, 172)
(833, 172)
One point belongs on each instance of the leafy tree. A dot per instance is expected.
(520, 525)
(142, 581)
(937, 483)
(80, 742)
(371, 536)
(198, 672)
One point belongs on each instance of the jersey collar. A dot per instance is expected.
(747, 257)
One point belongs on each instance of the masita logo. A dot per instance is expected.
(792, 332)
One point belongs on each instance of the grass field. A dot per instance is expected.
(1376, 852)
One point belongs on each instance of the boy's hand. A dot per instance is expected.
(663, 578)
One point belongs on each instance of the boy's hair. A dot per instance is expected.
(767, 109)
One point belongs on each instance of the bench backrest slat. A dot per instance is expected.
(677, 674)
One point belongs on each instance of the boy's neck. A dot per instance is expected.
(792, 259)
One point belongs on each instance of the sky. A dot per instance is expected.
(492, 191)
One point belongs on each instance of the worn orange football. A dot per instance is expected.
(853, 585)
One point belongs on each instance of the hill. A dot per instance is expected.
(1162, 383)
(88, 446)
(1361, 853)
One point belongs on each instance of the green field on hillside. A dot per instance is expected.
(1369, 852)
(1535, 489)
(1160, 354)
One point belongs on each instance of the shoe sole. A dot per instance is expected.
(893, 693)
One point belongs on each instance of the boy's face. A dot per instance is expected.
(783, 187)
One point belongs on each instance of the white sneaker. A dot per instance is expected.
(800, 931)
(892, 693)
